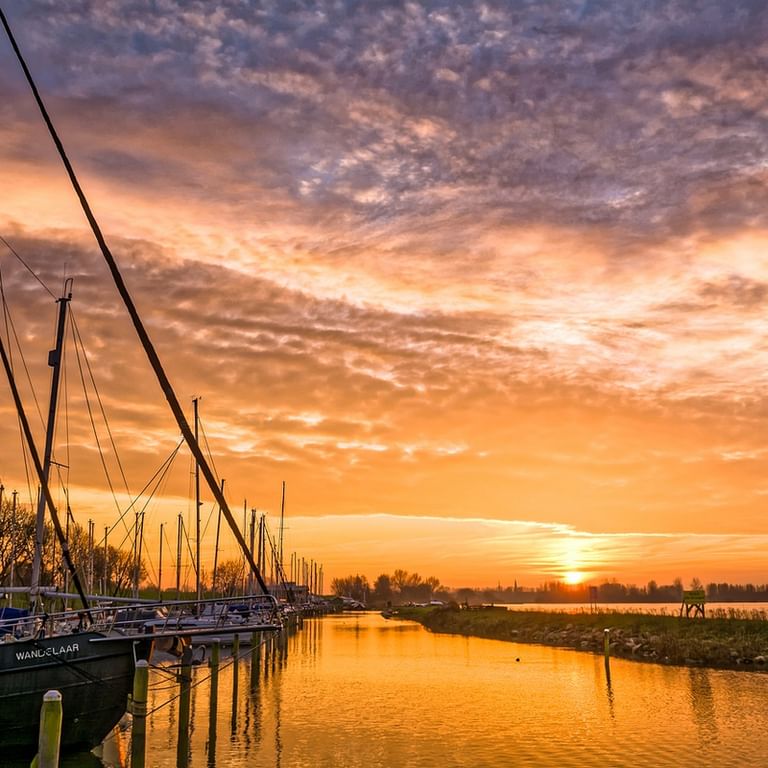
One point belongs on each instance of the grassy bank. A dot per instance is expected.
(736, 642)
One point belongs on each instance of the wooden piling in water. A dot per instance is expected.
(275, 648)
(49, 739)
(607, 644)
(214, 697)
(139, 711)
(185, 690)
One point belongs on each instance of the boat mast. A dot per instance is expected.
(40, 474)
(197, 511)
(253, 535)
(54, 361)
(282, 524)
(179, 525)
(13, 551)
(138, 325)
(160, 568)
(105, 589)
(216, 547)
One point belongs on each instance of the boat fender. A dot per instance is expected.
(178, 644)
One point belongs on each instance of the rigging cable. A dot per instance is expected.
(11, 328)
(157, 490)
(93, 428)
(141, 331)
(164, 467)
(41, 475)
(99, 400)
(29, 269)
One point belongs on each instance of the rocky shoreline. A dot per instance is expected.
(720, 643)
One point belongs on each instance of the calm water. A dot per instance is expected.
(356, 690)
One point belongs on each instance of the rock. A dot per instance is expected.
(759, 659)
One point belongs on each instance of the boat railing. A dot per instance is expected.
(160, 617)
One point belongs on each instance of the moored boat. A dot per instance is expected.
(93, 673)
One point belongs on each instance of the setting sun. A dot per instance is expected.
(573, 577)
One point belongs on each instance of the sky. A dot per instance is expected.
(483, 283)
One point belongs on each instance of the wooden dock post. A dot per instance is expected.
(185, 690)
(607, 645)
(50, 732)
(139, 711)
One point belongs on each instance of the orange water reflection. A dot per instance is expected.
(356, 690)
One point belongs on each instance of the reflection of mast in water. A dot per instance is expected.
(213, 701)
(703, 705)
(278, 743)
(247, 715)
(603, 678)
(609, 692)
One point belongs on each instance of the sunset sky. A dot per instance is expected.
(484, 283)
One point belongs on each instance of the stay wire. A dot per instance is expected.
(78, 336)
(158, 489)
(205, 679)
(164, 468)
(94, 429)
(10, 327)
(26, 266)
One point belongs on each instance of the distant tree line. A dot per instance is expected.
(402, 587)
(17, 540)
(398, 587)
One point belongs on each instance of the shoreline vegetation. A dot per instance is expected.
(730, 639)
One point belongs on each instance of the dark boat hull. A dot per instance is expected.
(93, 673)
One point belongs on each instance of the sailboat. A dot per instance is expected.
(88, 655)
(64, 652)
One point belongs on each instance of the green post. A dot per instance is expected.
(139, 709)
(50, 732)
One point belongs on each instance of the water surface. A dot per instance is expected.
(357, 690)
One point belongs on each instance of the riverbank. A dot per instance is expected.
(722, 643)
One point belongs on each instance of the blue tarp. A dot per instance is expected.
(9, 617)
